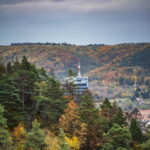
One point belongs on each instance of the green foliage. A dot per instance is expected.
(24, 95)
(112, 113)
(106, 104)
(88, 112)
(90, 115)
(71, 73)
(5, 139)
(35, 138)
(119, 118)
(25, 63)
(136, 132)
(146, 145)
(116, 137)
(3, 122)
(121, 148)
(50, 103)
(10, 98)
(107, 146)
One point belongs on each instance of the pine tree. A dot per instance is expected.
(49, 101)
(26, 76)
(119, 118)
(112, 113)
(35, 138)
(117, 138)
(10, 99)
(136, 132)
(107, 110)
(25, 63)
(87, 110)
(90, 115)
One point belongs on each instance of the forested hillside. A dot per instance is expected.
(114, 71)
(35, 114)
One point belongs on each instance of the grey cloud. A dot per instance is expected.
(24, 1)
(13, 1)
(42, 8)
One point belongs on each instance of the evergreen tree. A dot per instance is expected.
(107, 111)
(25, 63)
(50, 103)
(9, 68)
(5, 139)
(112, 113)
(90, 115)
(10, 99)
(2, 70)
(119, 118)
(117, 138)
(42, 74)
(35, 138)
(136, 132)
(16, 90)
(106, 104)
(26, 76)
(87, 110)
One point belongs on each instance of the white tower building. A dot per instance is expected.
(80, 82)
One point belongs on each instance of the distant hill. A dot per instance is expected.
(109, 67)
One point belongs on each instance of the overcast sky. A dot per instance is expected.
(75, 21)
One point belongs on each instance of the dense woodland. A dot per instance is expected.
(36, 115)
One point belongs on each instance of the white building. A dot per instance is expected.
(80, 82)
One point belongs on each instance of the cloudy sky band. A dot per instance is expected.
(94, 16)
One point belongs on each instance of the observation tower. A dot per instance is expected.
(80, 82)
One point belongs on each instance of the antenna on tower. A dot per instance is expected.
(79, 71)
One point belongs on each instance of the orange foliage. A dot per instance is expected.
(71, 124)
(19, 131)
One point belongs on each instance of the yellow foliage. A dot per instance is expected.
(73, 142)
(71, 117)
(71, 124)
(52, 142)
(134, 78)
(19, 131)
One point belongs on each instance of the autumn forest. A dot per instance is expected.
(36, 114)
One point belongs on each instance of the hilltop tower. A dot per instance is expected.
(79, 71)
(80, 82)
